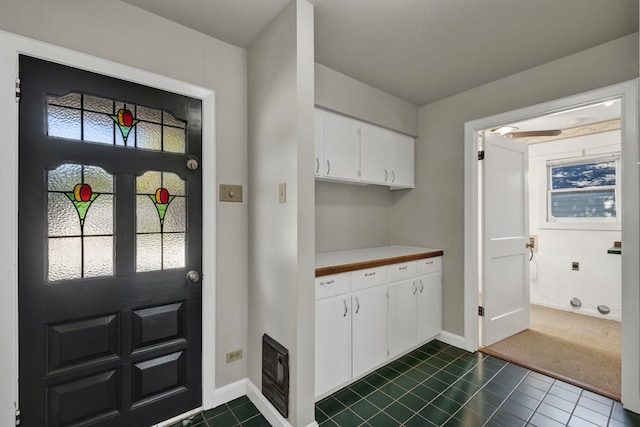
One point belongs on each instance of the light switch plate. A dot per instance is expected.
(230, 193)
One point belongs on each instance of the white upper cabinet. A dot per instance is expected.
(341, 147)
(353, 151)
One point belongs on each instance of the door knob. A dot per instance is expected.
(193, 276)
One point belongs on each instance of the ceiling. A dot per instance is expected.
(422, 50)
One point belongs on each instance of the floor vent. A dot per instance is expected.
(275, 374)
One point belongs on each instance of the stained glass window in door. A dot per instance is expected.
(80, 222)
(161, 221)
(93, 119)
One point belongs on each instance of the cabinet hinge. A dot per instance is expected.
(17, 417)
(481, 155)
(17, 90)
(480, 311)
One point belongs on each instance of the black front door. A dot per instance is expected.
(110, 237)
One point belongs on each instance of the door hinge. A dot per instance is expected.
(17, 417)
(480, 310)
(481, 155)
(17, 90)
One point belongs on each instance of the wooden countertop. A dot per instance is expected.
(357, 259)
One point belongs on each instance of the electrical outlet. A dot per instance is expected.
(232, 356)
(575, 265)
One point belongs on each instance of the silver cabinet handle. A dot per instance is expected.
(386, 175)
(357, 305)
(328, 167)
(317, 165)
(393, 176)
(415, 288)
(421, 286)
(369, 274)
(345, 308)
(403, 268)
(326, 283)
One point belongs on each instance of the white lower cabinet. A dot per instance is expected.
(333, 343)
(370, 329)
(365, 317)
(429, 306)
(403, 316)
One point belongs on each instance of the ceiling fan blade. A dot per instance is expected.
(533, 133)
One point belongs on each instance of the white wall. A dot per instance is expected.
(433, 213)
(281, 239)
(553, 283)
(354, 216)
(125, 34)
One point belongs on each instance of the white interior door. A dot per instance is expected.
(505, 284)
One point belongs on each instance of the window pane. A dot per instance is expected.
(65, 258)
(173, 140)
(98, 256)
(98, 128)
(149, 114)
(173, 253)
(595, 174)
(146, 215)
(149, 252)
(62, 216)
(99, 219)
(99, 105)
(72, 100)
(584, 204)
(63, 123)
(149, 136)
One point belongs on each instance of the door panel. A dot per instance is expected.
(505, 288)
(109, 329)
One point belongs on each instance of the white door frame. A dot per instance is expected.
(10, 47)
(628, 93)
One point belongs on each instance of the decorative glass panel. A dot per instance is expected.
(161, 221)
(80, 212)
(106, 121)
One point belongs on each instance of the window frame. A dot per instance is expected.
(589, 223)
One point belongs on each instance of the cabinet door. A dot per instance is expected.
(402, 162)
(403, 316)
(429, 306)
(341, 147)
(317, 143)
(374, 154)
(333, 343)
(370, 329)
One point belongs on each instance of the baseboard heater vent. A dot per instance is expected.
(275, 374)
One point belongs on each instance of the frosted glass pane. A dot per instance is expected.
(100, 180)
(173, 140)
(72, 100)
(99, 105)
(147, 217)
(173, 250)
(149, 252)
(175, 220)
(172, 121)
(149, 136)
(63, 123)
(99, 219)
(65, 177)
(148, 114)
(148, 183)
(62, 216)
(98, 256)
(64, 258)
(98, 128)
(173, 183)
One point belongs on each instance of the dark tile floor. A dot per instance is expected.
(440, 385)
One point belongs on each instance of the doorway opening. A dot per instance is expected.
(476, 268)
(573, 182)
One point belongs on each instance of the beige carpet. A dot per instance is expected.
(580, 349)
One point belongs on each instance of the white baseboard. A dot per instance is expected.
(266, 408)
(229, 392)
(455, 341)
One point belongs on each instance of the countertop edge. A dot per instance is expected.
(343, 268)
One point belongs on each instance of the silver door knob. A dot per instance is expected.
(193, 276)
(192, 164)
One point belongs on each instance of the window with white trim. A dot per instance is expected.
(584, 189)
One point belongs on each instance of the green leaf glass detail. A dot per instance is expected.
(82, 197)
(125, 121)
(161, 200)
